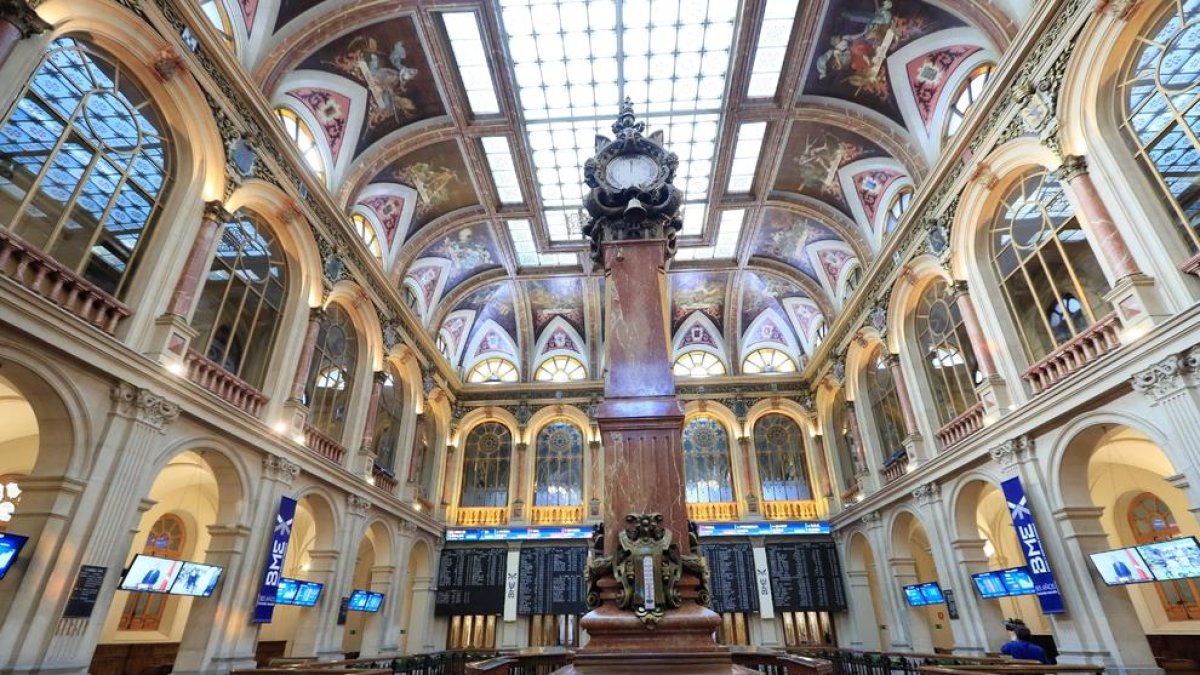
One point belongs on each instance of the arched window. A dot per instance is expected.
(821, 332)
(84, 161)
(1162, 109)
(331, 373)
(558, 470)
(884, 406)
(560, 369)
(219, 18)
(237, 316)
(1044, 263)
(366, 232)
(493, 370)
(297, 130)
(420, 468)
(443, 347)
(947, 357)
(768, 360)
(697, 363)
(706, 461)
(853, 278)
(782, 470)
(167, 538)
(968, 93)
(1151, 520)
(387, 421)
(845, 445)
(486, 461)
(897, 208)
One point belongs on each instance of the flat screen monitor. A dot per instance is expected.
(308, 594)
(915, 595)
(286, 591)
(150, 574)
(10, 547)
(1172, 559)
(196, 580)
(1122, 566)
(1017, 581)
(989, 585)
(374, 602)
(932, 593)
(358, 600)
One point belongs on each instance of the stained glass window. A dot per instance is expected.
(558, 474)
(968, 93)
(366, 232)
(166, 539)
(486, 460)
(493, 370)
(706, 461)
(84, 161)
(884, 402)
(297, 130)
(331, 374)
(947, 358)
(1044, 262)
(560, 369)
(768, 360)
(697, 363)
(782, 470)
(387, 421)
(1151, 520)
(1162, 111)
(238, 313)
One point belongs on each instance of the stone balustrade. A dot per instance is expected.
(895, 468)
(381, 479)
(556, 515)
(1085, 348)
(961, 427)
(40, 273)
(851, 494)
(211, 376)
(707, 512)
(323, 445)
(482, 515)
(802, 509)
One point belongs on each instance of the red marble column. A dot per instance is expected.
(17, 22)
(979, 343)
(415, 459)
(197, 261)
(306, 352)
(1112, 246)
(906, 407)
(368, 437)
(753, 498)
(860, 450)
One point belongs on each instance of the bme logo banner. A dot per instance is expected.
(1031, 546)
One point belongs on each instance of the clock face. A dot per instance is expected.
(630, 170)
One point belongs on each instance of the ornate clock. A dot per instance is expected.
(632, 193)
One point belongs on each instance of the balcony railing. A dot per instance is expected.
(790, 510)
(210, 375)
(851, 494)
(712, 511)
(895, 467)
(482, 515)
(1087, 347)
(45, 276)
(323, 445)
(970, 421)
(383, 480)
(556, 515)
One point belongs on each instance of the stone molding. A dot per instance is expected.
(1169, 375)
(1013, 451)
(279, 469)
(143, 405)
(927, 493)
(357, 506)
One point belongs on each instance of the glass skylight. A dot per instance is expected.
(504, 172)
(745, 155)
(728, 232)
(466, 41)
(575, 62)
(773, 40)
(527, 252)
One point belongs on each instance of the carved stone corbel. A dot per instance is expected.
(1011, 452)
(143, 405)
(279, 469)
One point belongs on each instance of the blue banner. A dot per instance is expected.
(1031, 546)
(264, 607)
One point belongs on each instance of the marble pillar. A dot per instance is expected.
(18, 21)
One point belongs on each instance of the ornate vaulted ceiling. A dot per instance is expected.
(456, 130)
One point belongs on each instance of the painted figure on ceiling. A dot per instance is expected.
(432, 183)
(858, 58)
(386, 80)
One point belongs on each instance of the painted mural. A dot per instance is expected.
(492, 303)
(387, 59)
(871, 185)
(440, 177)
(761, 292)
(331, 110)
(290, 9)
(702, 292)
(553, 298)
(470, 250)
(787, 237)
(814, 154)
(855, 41)
(388, 210)
(249, 12)
(929, 74)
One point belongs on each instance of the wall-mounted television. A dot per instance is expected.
(1122, 566)
(1172, 559)
(989, 585)
(10, 548)
(297, 592)
(365, 601)
(1017, 581)
(150, 574)
(919, 595)
(196, 580)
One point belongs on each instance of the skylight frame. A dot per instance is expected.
(520, 233)
(497, 151)
(747, 152)
(470, 54)
(770, 54)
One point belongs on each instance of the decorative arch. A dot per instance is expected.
(557, 339)
(708, 460)
(699, 333)
(354, 299)
(290, 227)
(333, 107)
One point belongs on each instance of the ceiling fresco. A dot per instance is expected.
(442, 116)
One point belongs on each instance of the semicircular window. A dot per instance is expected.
(84, 164)
(697, 363)
(366, 232)
(768, 360)
(306, 141)
(968, 93)
(560, 369)
(493, 370)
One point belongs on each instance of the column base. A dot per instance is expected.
(169, 342)
(682, 642)
(993, 394)
(1138, 305)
